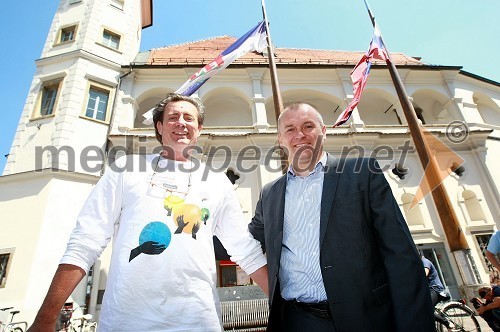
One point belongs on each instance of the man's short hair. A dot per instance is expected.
(296, 106)
(173, 97)
(483, 291)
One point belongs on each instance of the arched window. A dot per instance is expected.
(413, 215)
(473, 206)
(420, 114)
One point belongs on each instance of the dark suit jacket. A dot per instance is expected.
(373, 275)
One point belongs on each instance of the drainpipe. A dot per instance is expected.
(113, 117)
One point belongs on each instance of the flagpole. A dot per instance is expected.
(451, 226)
(277, 100)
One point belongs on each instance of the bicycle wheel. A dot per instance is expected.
(91, 327)
(462, 316)
(440, 327)
(15, 329)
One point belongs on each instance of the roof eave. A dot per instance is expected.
(146, 13)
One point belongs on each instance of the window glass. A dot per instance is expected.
(67, 34)
(228, 274)
(97, 104)
(4, 261)
(47, 99)
(482, 241)
(110, 39)
(49, 94)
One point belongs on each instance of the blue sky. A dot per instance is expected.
(443, 32)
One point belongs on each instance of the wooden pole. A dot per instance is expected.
(277, 100)
(451, 226)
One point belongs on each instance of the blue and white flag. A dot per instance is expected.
(253, 41)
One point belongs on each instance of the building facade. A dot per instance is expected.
(93, 85)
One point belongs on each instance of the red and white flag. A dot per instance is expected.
(359, 74)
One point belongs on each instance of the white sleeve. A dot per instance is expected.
(232, 231)
(96, 222)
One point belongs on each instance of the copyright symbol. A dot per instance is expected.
(457, 131)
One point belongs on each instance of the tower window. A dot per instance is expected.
(111, 40)
(47, 99)
(49, 95)
(98, 102)
(118, 4)
(66, 34)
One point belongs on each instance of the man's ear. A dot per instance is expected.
(159, 127)
(200, 127)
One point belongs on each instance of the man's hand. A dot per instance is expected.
(148, 247)
(493, 259)
(481, 309)
(64, 282)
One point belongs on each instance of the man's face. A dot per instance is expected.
(489, 296)
(179, 128)
(300, 133)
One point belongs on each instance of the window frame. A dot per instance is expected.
(118, 4)
(60, 33)
(9, 252)
(93, 85)
(44, 85)
(107, 42)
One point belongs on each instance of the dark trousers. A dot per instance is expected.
(297, 319)
(492, 320)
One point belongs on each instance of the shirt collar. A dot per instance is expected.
(320, 165)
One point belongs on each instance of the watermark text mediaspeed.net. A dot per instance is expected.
(92, 159)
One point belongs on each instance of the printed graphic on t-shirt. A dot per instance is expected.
(153, 240)
(155, 236)
(187, 217)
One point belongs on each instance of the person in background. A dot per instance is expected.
(162, 220)
(437, 290)
(492, 252)
(489, 310)
(339, 252)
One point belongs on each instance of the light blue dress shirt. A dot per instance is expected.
(300, 274)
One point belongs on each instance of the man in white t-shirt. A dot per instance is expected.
(162, 274)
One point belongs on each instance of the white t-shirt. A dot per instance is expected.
(162, 275)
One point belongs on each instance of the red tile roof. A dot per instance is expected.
(201, 52)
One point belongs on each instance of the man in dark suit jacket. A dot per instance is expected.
(340, 254)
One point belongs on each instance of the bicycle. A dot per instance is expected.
(83, 324)
(12, 326)
(457, 312)
(77, 323)
(488, 316)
